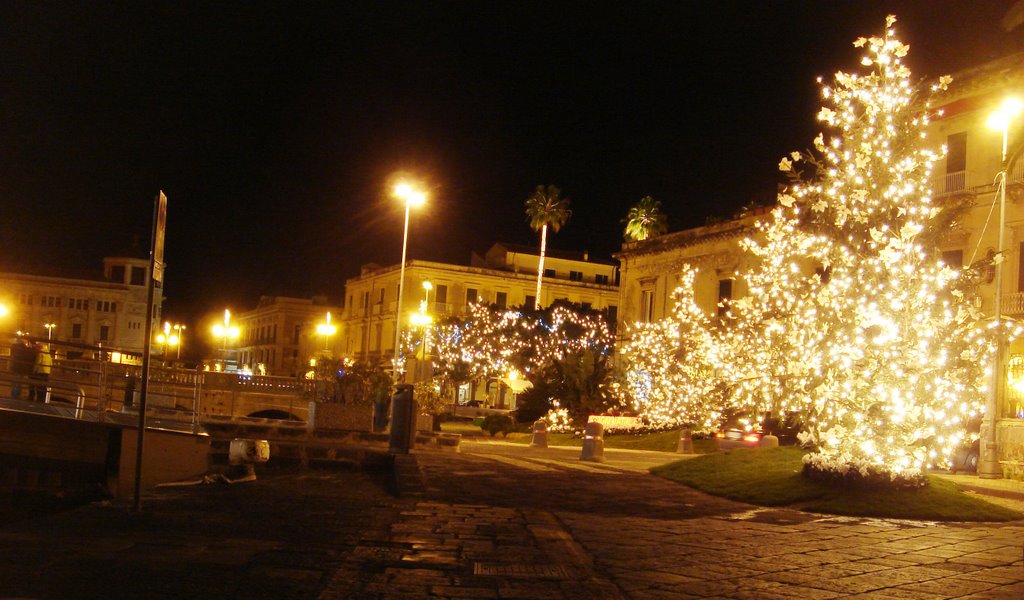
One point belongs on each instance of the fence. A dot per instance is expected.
(95, 387)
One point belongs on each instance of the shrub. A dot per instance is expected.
(494, 424)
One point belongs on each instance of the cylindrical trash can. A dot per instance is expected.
(540, 434)
(403, 420)
(593, 443)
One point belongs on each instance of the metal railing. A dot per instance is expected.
(951, 183)
(1013, 304)
(176, 398)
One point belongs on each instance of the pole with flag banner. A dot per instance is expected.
(156, 270)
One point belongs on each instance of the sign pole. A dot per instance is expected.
(156, 274)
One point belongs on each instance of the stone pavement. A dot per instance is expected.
(495, 521)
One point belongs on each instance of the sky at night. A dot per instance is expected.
(273, 127)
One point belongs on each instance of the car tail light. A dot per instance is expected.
(752, 437)
(719, 434)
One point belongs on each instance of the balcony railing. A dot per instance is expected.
(1013, 304)
(951, 183)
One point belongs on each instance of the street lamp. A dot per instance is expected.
(412, 197)
(180, 332)
(326, 329)
(225, 332)
(988, 465)
(168, 339)
(49, 330)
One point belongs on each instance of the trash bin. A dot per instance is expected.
(540, 434)
(403, 420)
(593, 442)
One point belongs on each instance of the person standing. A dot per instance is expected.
(23, 360)
(40, 373)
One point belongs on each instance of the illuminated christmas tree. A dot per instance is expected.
(672, 366)
(850, 319)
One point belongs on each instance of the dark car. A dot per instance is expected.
(738, 438)
(965, 459)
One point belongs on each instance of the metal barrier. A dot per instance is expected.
(105, 391)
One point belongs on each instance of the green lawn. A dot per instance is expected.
(771, 477)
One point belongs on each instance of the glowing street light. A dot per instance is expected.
(988, 465)
(168, 339)
(326, 329)
(3, 310)
(49, 330)
(180, 332)
(226, 332)
(412, 196)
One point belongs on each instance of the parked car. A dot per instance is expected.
(965, 459)
(738, 438)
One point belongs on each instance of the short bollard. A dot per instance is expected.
(685, 445)
(769, 441)
(540, 434)
(593, 443)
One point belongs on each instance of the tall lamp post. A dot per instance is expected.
(988, 466)
(326, 329)
(226, 332)
(412, 197)
(179, 330)
(49, 331)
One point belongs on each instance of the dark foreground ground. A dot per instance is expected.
(496, 521)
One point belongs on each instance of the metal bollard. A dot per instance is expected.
(685, 445)
(380, 414)
(593, 443)
(540, 434)
(403, 420)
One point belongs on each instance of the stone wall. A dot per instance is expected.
(350, 417)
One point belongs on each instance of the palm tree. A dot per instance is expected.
(546, 208)
(645, 220)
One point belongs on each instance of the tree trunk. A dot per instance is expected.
(540, 265)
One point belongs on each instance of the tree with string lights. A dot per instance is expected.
(850, 317)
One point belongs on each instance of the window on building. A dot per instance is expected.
(647, 306)
(118, 273)
(441, 294)
(138, 276)
(549, 272)
(613, 315)
(956, 153)
(724, 296)
(530, 302)
(76, 331)
(501, 299)
(104, 333)
(366, 299)
(953, 259)
(296, 333)
(602, 279)
(380, 296)
(378, 335)
(471, 296)
(575, 275)
(349, 305)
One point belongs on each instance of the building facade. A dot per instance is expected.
(506, 276)
(108, 313)
(280, 335)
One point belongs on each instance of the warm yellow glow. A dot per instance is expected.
(419, 319)
(428, 286)
(3, 310)
(326, 328)
(1001, 119)
(408, 193)
(226, 330)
